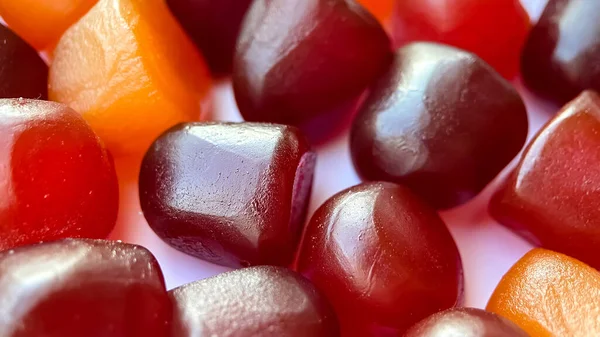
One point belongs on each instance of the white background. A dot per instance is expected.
(487, 249)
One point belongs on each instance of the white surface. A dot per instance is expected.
(487, 249)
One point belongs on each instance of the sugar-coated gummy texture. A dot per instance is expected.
(383, 258)
(132, 72)
(42, 22)
(258, 301)
(22, 72)
(552, 198)
(76, 288)
(549, 294)
(562, 53)
(465, 322)
(56, 179)
(440, 121)
(234, 194)
(299, 60)
(214, 26)
(495, 30)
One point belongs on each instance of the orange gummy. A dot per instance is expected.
(42, 22)
(381, 9)
(550, 294)
(130, 70)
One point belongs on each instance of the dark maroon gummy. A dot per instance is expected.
(299, 61)
(75, 288)
(232, 194)
(257, 301)
(22, 72)
(440, 121)
(214, 26)
(562, 55)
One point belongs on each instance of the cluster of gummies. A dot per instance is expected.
(433, 123)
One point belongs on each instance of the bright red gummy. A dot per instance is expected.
(562, 53)
(75, 288)
(382, 257)
(214, 26)
(57, 179)
(258, 301)
(495, 30)
(465, 322)
(553, 196)
(234, 194)
(441, 121)
(298, 61)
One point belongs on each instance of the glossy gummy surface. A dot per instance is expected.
(465, 322)
(214, 26)
(232, 194)
(257, 301)
(562, 53)
(549, 294)
(297, 61)
(130, 70)
(75, 288)
(42, 22)
(57, 179)
(467, 24)
(22, 72)
(382, 257)
(440, 121)
(553, 196)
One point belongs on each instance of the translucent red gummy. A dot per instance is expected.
(440, 121)
(553, 196)
(22, 72)
(562, 53)
(57, 179)
(257, 301)
(495, 30)
(383, 258)
(214, 27)
(232, 194)
(75, 288)
(297, 61)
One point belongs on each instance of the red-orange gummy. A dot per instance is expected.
(42, 22)
(56, 179)
(495, 30)
(381, 9)
(130, 70)
(553, 196)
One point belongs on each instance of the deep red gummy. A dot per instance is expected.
(383, 258)
(75, 288)
(214, 26)
(562, 53)
(22, 72)
(57, 179)
(441, 121)
(465, 322)
(232, 194)
(553, 196)
(298, 61)
(256, 301)
(495, 30)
